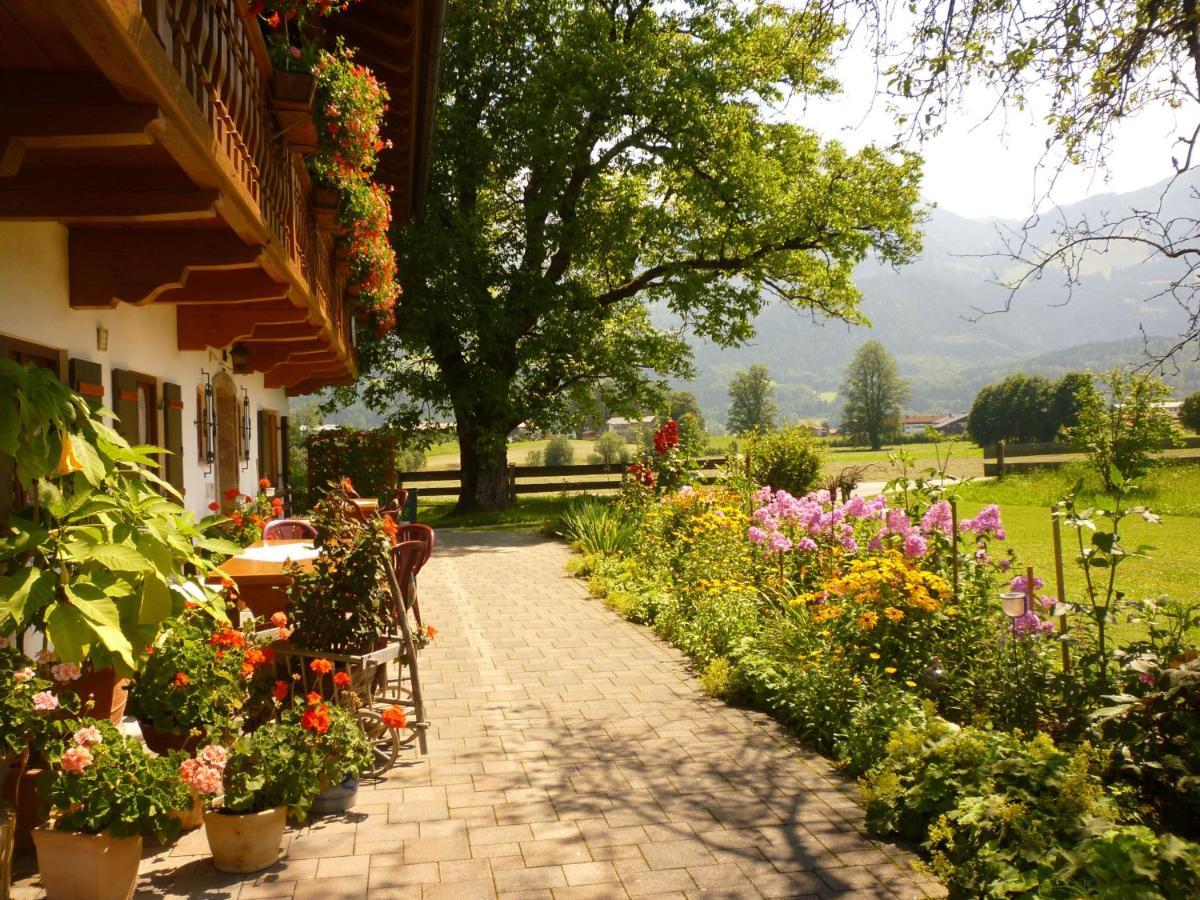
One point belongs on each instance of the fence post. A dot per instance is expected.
(1060, 584)
(954, 541)
(1000, 459)
(512, 481)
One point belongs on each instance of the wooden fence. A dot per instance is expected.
(998, 458)
(541, 479)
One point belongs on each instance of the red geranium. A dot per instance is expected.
(342, 679)
(321, 666)
(393, 717)
(316, 719)
(232, 493)
(282, 689)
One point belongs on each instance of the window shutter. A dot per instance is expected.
(172, 395)
(87, 381)
(125, 404)
(285, 472)
(263, 445)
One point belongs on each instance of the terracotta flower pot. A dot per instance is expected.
(246, 842)
(163, 742)
(193, 817)
(291, 104)
(105, 690)
(8, 827)
(87, 866)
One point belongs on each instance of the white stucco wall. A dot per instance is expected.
(35, 306)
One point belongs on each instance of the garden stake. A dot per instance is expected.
(954, 541)
(1028, 589)
(1056, 528)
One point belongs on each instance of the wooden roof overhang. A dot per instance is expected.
(146, 128)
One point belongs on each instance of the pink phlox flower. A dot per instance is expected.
(756, 535)
(939, 517)
(807, 544)
(779, 542)
(914, 544)
(1020, 583)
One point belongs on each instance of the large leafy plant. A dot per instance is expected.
(93, 562)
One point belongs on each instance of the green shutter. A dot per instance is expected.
(262, 445)
(125, 404)
(172, 396)
(285, 474)
(87, 380)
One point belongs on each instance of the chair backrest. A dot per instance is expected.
(406, 558)
(394, 504)
(288, 530)
(414, 531)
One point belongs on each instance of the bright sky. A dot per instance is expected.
(981, 167)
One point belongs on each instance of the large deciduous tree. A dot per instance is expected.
(591, 158)
(751, 401)
(874, 393)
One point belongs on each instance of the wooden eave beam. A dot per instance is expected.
(292, 374)
(233, 287)
(88, 194)
(28, 123)
(216, 325)
(128, 265)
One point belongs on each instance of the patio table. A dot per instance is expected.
(260, 574)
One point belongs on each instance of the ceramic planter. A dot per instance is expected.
(246, 842)
(337, 798)
(193, 817)
(87, 866)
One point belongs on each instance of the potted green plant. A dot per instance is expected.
(105, 793)
(254, 784)
(196, 682)
(338, 740)
(94, 569)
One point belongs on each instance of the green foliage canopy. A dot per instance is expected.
(590, 158)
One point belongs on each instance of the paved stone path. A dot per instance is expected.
(572, 755)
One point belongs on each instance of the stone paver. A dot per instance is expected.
(571, 754)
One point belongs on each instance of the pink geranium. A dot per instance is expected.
(202, 778)
(23, 675)
(76, 759)
(214, 755)
(65, 672)
(45, 701)
(88, 737)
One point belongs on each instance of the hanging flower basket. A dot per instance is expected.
(291, 107)
(325, 204)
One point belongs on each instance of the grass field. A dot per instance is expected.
(1171, 566)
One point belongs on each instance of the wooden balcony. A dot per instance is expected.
(145, 126)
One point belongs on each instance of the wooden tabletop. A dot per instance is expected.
(249, 572)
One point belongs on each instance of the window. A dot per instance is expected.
(147, 409)
(203, 414)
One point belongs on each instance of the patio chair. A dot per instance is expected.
(393, 505)
(414, 531)
(405, 557)
(288, 530)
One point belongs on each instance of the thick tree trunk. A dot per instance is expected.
(483, 454)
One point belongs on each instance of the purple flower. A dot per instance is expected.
(807, 544)
(938, 517)
(1028, 625)
(981, 557)
(986, 523)
(756, 535)
(779, 542)
(1146, 678)
(1020, 583)
(1004, 565)
(914, 544)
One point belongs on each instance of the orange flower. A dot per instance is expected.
(313, 698)
(316, 719)
(430, 632)
(321, 666)
(342, 679)
(393, 717)
(281, 690)
(347, 485)
(237, 519)
(227, 638)
(247, 670)
(279, 619)
(390, 528)
(264, 483)
(255, 657)
(181, 679)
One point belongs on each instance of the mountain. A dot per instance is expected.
(943, 316)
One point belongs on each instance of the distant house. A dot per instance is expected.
(1171, 407)
(917, 424)
(524, 432)
(629, 429)
(955, 423)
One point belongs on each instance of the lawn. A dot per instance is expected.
(445, 456)
(1174, 491)
(534, 513)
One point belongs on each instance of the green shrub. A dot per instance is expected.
(559, 452)
(787, 460)
(610, 450)
(598, 527)
(716, 678)
(709, 623)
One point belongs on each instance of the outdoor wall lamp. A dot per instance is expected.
(245, 429)
(101, 338)
(206, 419)
(239, 356)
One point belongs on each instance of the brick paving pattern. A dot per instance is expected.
(572, 755)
